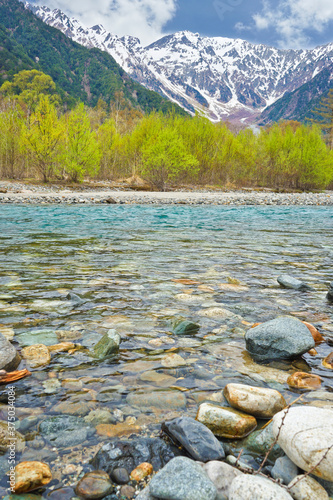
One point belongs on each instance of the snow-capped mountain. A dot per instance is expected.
(221, 77)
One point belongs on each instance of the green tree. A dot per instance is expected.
(11, 126)
(82, 154)
(28, 86)
(324, 117)
(42, 140)
(166, 157)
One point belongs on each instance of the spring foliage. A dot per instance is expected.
(112, 141)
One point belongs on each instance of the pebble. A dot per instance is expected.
(199, 441)
(300, 380)
(305, 435)
(94, 485)
(328, 361)
(141, 471)
(120, 475)
(248, 487)
(31, 475)
(173, 361)
(257, 401)
(186, 328)
(36, 355)
(317, 336)
(281, 338)
(226, 422)
(108, 345)
(127, 492)
(6, 438)
(117, 430)
(307, 489)
(182, 479)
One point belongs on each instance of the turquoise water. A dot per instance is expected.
(122, 260)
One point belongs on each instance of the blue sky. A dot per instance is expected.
(281, 23)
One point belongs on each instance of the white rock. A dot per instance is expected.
(307, 489)
(259, 402)
(222, 475)
(248, 487)
(306, 434)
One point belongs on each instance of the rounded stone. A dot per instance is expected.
(317, 336)
(94, 485)
(226, 422)
(120, 475)
(305, 436)
(31, 475)
(221, 475)
(141, 471)
(307, 488)
(247, 487)
(301, 380)
(127, 492)
(257, 401)
(281, 338)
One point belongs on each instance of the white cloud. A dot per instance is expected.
(142, 18)
(294, 20)
(242, 27)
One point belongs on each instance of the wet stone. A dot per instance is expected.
(308, 381)
(199, 441)
(107, 345)
(289, 282)
(9, 358)
(6, 439)
(257, 401)
(226, 422)
(61, 494)
(182, 479)
(281, 338)
(31, 475)
(120, 475)
(129, 454)
(160, 400)
(94, 485)
(186, 328)
(127, 492)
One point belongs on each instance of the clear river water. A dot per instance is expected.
(141, 270)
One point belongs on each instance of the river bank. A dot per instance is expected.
(17, 193)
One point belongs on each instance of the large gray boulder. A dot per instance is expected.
(282, 338)
(9, 357)
(182, 479)
(305, 436)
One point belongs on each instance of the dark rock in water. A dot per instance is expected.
(9, 358)
(111, 201)
(186, 328)
(61, 494)
(330, 293)
(74, 298)
(281, 338)
(130, 454)
(293, 283)
(94, 485)
(120, 476)
(182, 479)
(199, 441)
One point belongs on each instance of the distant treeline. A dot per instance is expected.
(38, 138)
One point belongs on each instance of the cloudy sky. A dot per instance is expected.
(282, 23)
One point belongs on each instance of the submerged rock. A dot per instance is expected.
(196, 438)
(293, 283)
(36, 355)
(31, 475)
(162, 400)
(305, 436)
(281, 338)
(226, 422)
(257, 401)
(328, 361)
(182, 479)
(300, 380)
(108, 345)
(9, 357)
(129, 454)
(186, 328)
(7, 437)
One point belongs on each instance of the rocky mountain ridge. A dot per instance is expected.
(220, 77)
